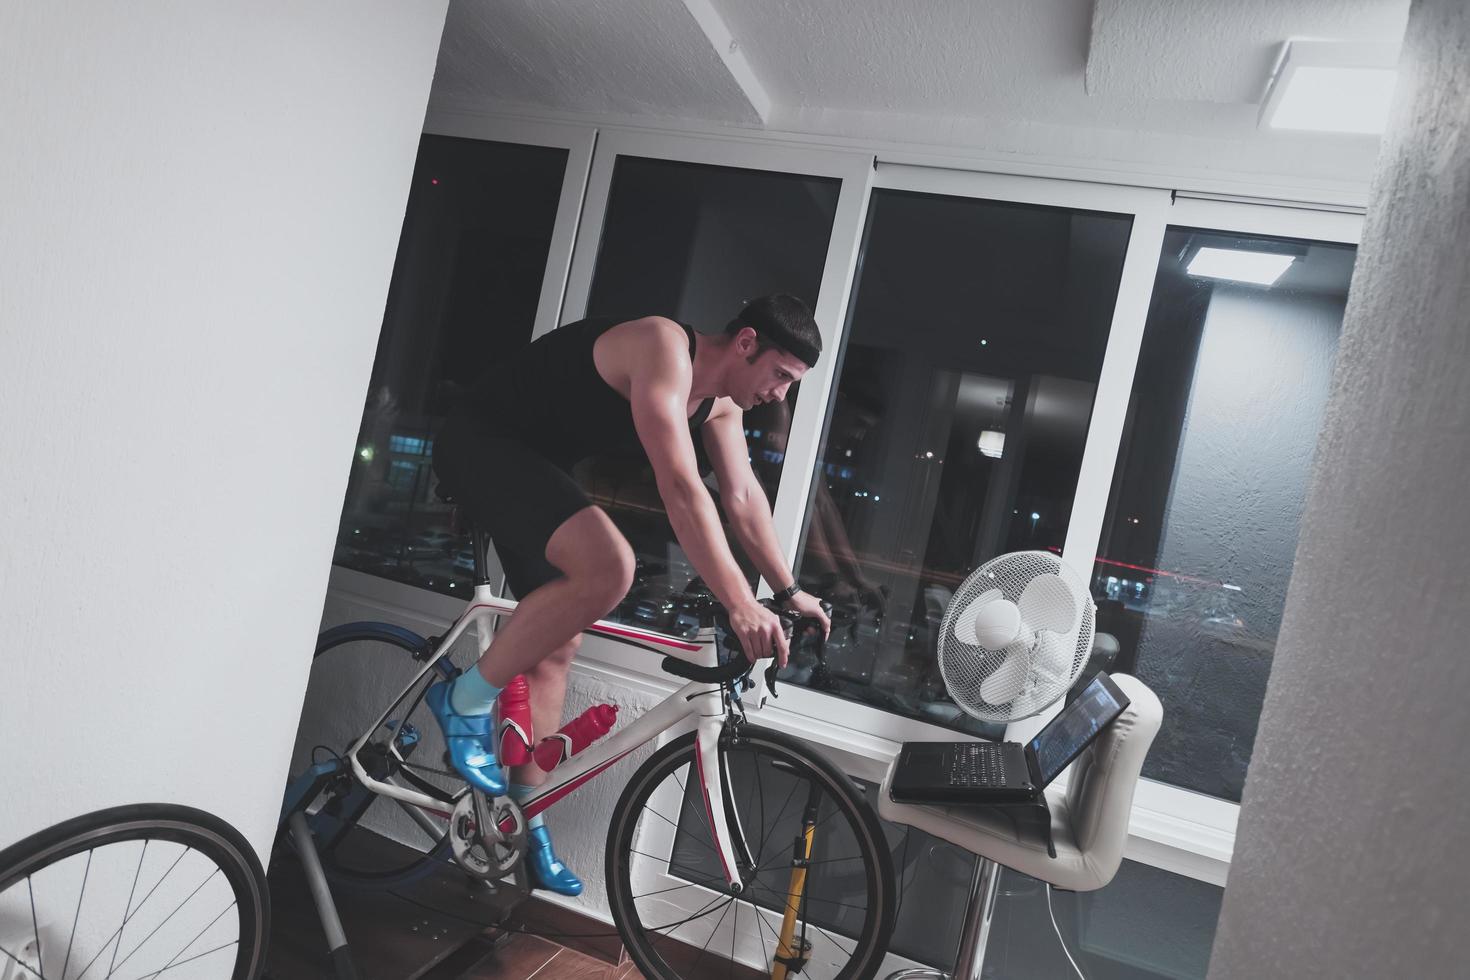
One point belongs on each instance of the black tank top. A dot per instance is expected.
(549, 396)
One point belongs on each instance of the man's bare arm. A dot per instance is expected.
(743, 498)
(748, 509)
(659, 383)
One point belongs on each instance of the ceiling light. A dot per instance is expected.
(992, 443)
(1261, 268)
(1332, 86)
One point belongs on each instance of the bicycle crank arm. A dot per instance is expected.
(487, 834)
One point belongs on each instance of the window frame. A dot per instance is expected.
(1172, 828)
(578, 141)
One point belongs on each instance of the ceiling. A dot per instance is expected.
(1147, 83)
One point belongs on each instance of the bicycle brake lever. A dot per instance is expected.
(771, 673)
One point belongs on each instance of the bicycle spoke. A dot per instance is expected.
(76, 918)
(167, 917)
(653, 857)
(191, 942)
(36, 930)
(688, 884)
(804, 897)
(775, 936)
(734, 934)
(759, 919)
(127, 909)
(760, 789)
(813, 864)
(234, 942)
(823, 930)
(845, 951)
(130, 912)
(706, 909)
(707, 846)
(777, 822)
(705, 948)
(833, 812)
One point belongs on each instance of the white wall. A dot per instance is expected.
(1351, 857)
(201, 201)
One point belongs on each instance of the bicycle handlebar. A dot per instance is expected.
(739, 665)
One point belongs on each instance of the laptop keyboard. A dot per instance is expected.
(977, 764)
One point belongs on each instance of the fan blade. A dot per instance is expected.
(1047, 603)
(1007, 680)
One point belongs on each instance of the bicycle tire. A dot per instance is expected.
(872, 939)
(353, 640)
(196, 829)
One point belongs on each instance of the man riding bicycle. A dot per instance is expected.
(507, 452)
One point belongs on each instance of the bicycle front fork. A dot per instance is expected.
(718, 789)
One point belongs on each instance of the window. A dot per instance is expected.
(956, 427)
(694, 242)
(1201, 527)
(1145, 924)
(465, 289)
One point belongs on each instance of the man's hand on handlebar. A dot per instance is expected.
(759, 632)
(808, 606)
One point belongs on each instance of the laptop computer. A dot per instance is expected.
(1006, 772)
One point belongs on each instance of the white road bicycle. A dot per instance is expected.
(732, 851)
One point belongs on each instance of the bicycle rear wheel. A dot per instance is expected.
(366, 840)
(131, 892)
(667, 889)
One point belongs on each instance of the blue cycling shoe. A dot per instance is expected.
(546, 871)
(469, 738)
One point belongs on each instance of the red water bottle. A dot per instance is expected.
(516, 735)
(575, 735)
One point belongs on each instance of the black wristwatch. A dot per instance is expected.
(786, 594)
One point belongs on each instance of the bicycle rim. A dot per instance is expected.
(667, 889)
(133, 892)
(366, 840)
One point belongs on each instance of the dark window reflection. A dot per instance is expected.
(957, 425)
(694, 243)
(1201, 528)
(465, 285)
(1146, 924)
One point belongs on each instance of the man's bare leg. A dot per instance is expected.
(548, 683)
(597, 570)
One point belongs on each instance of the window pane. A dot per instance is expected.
(471, 258)
(695, 242)
(1201, 528)
(956, 428)
(1146, 924)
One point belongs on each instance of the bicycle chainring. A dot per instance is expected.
(493, 852)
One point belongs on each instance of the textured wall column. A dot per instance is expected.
(1353, 855)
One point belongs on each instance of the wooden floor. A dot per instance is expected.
(524, 957)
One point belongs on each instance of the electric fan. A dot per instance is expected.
(1015, 636)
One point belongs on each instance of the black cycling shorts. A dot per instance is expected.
(513, 493)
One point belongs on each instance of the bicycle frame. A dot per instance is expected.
(703, 702)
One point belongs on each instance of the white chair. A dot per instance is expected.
(1089, 825)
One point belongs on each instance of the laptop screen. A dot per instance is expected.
(1069, 732)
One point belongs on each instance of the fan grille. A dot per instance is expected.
(1030, 673)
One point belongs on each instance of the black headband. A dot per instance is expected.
(777, 334)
